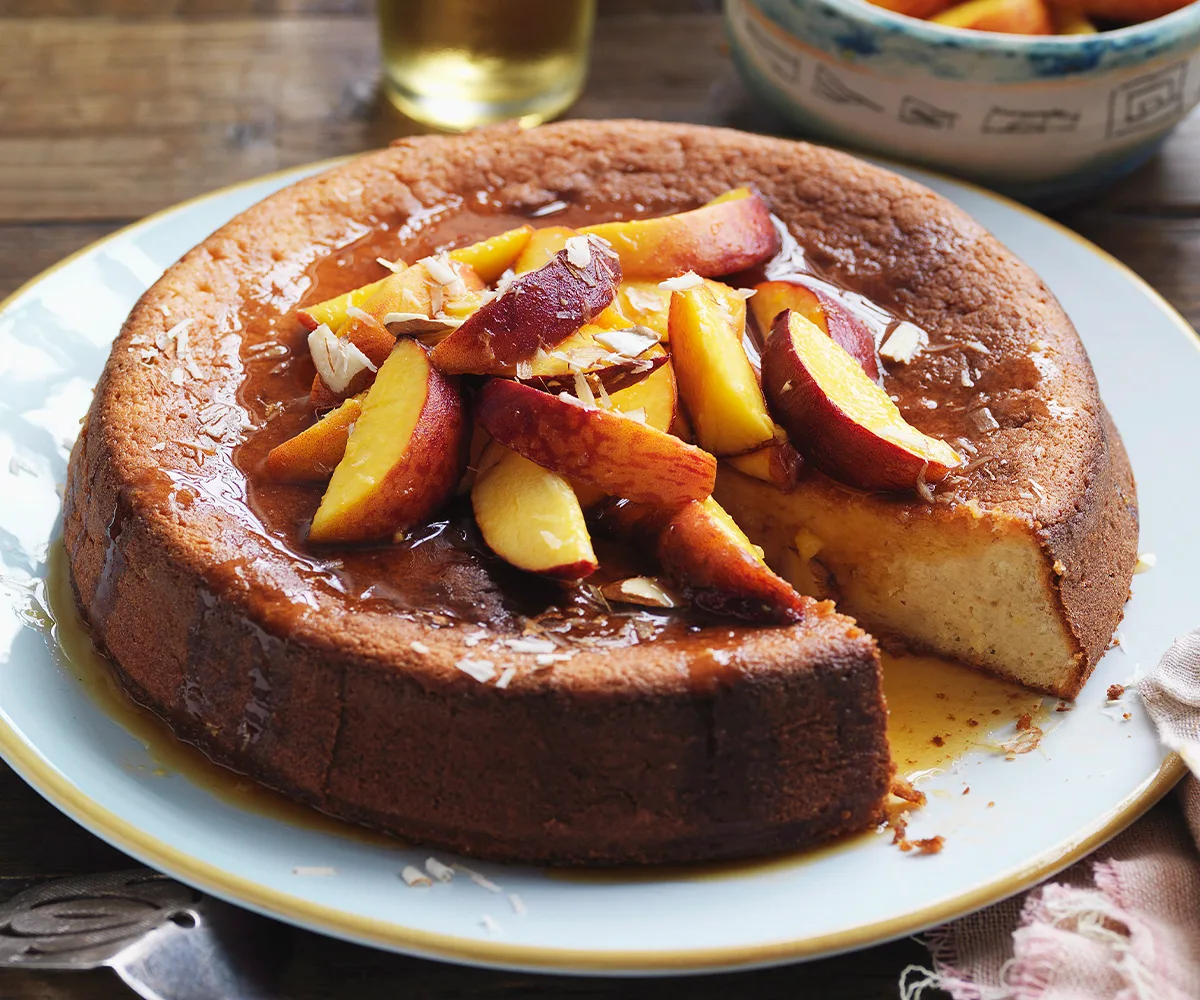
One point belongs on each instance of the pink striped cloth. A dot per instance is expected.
(1123, 924)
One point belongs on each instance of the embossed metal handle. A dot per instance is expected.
(165, 940)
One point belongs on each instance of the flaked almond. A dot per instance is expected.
(579, 252)
(337, 361)
(681, 282)
(904, 343)
(401, 323)
(983, 420)
(628, 343)
(481, 670)
(645, 591)
(644, 301)
(440, 269)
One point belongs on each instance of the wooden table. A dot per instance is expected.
(111, 109)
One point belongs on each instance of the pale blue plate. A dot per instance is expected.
(1093, 774)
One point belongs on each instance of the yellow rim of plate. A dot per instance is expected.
(57, 789)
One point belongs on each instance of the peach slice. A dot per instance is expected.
(709, 558)
(773, 297)
(490, 258)
(537, 311)
(777, 463)
(656, 398)
(1072, 21)
(604, 448)
(530, 517)
(404, 456)
(332, 312)
(914, 8)
(541, 248)
(313, 454)
(718, 238)
(1015, 17)
(716, 381)
(1126, 10)
(842, 421)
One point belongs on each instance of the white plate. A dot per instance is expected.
(1093, 773)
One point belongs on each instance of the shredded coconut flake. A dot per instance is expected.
(314, 871)
(923, 489)
(441, 872)
(415, 877)
(681, 282)
(419, 647)
(518, 904)
(482, 670)
(359, 314)
(489, 924)
(395, 266)
(1146, 561)
(506, 677)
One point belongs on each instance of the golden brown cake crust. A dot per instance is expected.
(644, 756)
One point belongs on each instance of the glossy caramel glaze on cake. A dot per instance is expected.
(339, 676)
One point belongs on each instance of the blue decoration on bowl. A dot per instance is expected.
(1048, 119)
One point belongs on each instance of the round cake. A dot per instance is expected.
(364, 680)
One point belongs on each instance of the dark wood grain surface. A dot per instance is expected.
(111, 109)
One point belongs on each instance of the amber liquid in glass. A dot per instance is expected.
(457, 64)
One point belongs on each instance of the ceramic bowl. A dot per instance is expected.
(1043, 118)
